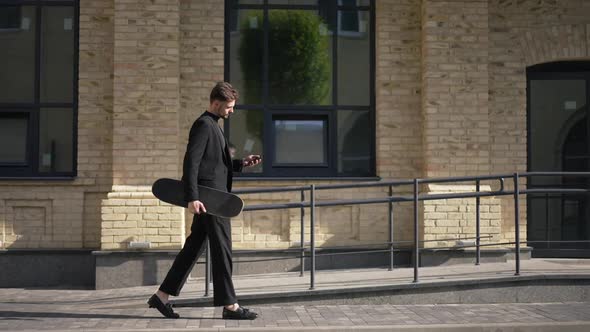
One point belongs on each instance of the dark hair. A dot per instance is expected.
(223, 91)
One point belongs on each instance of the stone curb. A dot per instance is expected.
(575, 326)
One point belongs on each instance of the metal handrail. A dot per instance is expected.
(429, 197)
(312, 203)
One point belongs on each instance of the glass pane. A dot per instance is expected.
(248, 2)
(558, 142)
(17, 58)
(10, 17)
(354, 61)
(246, 53)
(558, 124)
(13, 137)
(300, 142)
(246, 128)
(300, 65)
(354, 2)
(354, 143)
(349, 21)
(56, 145)
(57, 56)
(293, 2)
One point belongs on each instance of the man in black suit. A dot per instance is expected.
(208, 162)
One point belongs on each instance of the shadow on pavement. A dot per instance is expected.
(28, 315)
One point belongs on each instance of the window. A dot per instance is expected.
(289, 134)
(14, 128)
(38, 88)
(305, 73)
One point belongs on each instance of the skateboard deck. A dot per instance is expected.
(218, 203)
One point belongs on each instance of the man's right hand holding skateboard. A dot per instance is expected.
(197, 207)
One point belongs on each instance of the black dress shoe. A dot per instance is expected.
(164, 309)
(241, 313)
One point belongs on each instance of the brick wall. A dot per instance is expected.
(146, 68)
(95, 111)
(47, 217)
(132, 214)
(398, 89)
(447, 221)
(334, 226)
(146, 91)
(201, 59)
(455, 87)
(95, 93)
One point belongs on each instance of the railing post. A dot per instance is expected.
(477, 225)
(207, 267)
(547, 224)
(391, 258)
(312, 235)
(302, 259)
(516, 224)
(416, 240)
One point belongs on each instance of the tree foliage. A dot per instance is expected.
(299, 63)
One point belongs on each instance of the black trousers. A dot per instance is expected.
(218, 230)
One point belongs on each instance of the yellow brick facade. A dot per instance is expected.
(450, 101)
(447, 221)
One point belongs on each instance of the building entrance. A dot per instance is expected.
(558, 140)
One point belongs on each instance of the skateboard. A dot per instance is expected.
(217, 202)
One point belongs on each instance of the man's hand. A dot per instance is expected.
(252, 160)
(196, 207)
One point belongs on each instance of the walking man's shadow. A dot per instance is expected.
(32, 315)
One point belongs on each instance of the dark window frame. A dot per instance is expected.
(31, 169)
(331, 111)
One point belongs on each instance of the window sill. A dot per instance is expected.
(46, 181)
(40, 178)
(306, 178)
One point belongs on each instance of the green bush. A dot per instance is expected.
(299, 63)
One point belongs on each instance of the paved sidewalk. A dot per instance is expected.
(56, 317)
(125, 309)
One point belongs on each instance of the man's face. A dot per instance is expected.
(223, 108)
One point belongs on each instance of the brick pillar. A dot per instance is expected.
(455, 110)
(146, 91)
(145, 124)
(455, 87)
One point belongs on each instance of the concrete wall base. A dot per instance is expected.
(118, 269)
(47, 268)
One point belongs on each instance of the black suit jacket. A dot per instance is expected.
(207, 160)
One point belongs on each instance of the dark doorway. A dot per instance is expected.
(558, 140)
